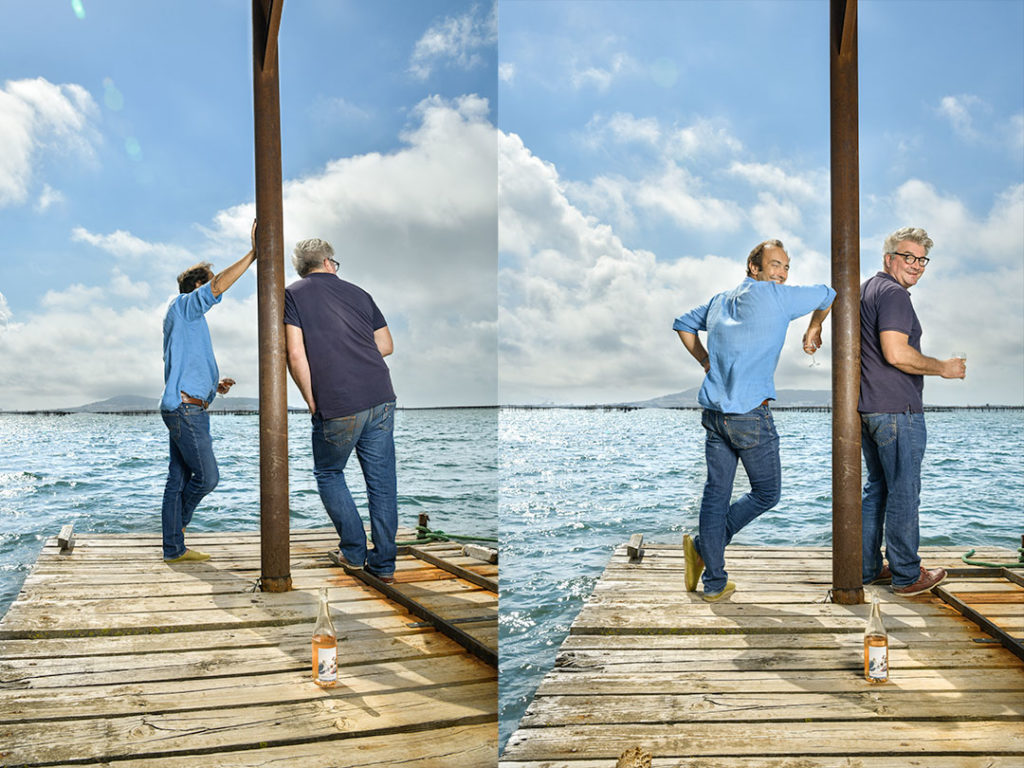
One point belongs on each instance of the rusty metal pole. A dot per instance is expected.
(274, 539)
(847, 587)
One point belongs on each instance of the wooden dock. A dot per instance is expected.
(773, 677)
(111, 657)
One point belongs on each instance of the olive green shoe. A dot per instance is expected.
(694, 563)
(724, 592)
(190, 556)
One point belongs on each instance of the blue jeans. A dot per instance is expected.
(371, 433)
(191, 474)
(893, 446)
(731, 437)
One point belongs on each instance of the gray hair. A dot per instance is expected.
(913, 234)
(310, 254)
(756, 256)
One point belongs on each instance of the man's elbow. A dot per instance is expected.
(385, 348)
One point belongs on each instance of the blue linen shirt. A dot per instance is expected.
(746, 329)
(189, 364)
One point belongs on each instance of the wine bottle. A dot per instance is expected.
(325, 646)
(876, 647)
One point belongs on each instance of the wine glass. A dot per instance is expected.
(962, 356)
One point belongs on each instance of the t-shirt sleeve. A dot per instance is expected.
(895, 312)
(196, 303)
(378, 316)
(801, 299)
(693, 321)
(291, 312)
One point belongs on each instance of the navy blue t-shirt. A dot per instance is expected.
(337, 320)
(885, 306)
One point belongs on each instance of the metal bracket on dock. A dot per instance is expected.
(487, 554)
(1013, 644)
(463, 573)
(66, 538)
(635, 548)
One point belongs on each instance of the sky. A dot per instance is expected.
(530, 190)
(127, 130)
(646, 147)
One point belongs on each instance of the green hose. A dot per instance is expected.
(1019, 564)
(427, 536)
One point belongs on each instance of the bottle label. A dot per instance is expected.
(878, 662)
(327, 664)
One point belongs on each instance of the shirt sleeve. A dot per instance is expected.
(801, 299)
(198, 302)
(693, 321)
(378, 317)
(895, 311)
(291, 312)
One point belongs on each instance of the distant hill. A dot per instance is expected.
(132, 403)
(792, 398)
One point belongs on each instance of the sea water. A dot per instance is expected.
(106, 473)
(576, 483)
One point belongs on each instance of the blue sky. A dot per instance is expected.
(647, 146)
(639, 150)
(127, 130)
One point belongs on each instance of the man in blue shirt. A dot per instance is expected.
(746, 328)
(337, 340)
(190, 384)
(893, 434)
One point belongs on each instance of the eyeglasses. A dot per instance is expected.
(910, 258)
(337, 265)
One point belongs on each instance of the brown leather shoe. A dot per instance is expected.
(928, 579)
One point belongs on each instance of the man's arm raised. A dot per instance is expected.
(227, 277)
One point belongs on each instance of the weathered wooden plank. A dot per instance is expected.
(927, 637)
(803, 761)
(549, 711)
(671, 661)
(19, 674)
(228, 683)
(721, 739)
(332, 717)
(466, 746)
(823, 681)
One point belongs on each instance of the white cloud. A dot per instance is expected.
(583, 318)
(601, 78)
(456, 40)
(507, 72)
(48, 197)
(415, 227)
(626, 127)
(125, 245)
(804, 187)
(337, 108)
(664, 186)
(38, 118)
(5, 312)
(957, 110)
(703, 138)
(1013, 134)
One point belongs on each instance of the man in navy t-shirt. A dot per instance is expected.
(893, 434)
(337, 340)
